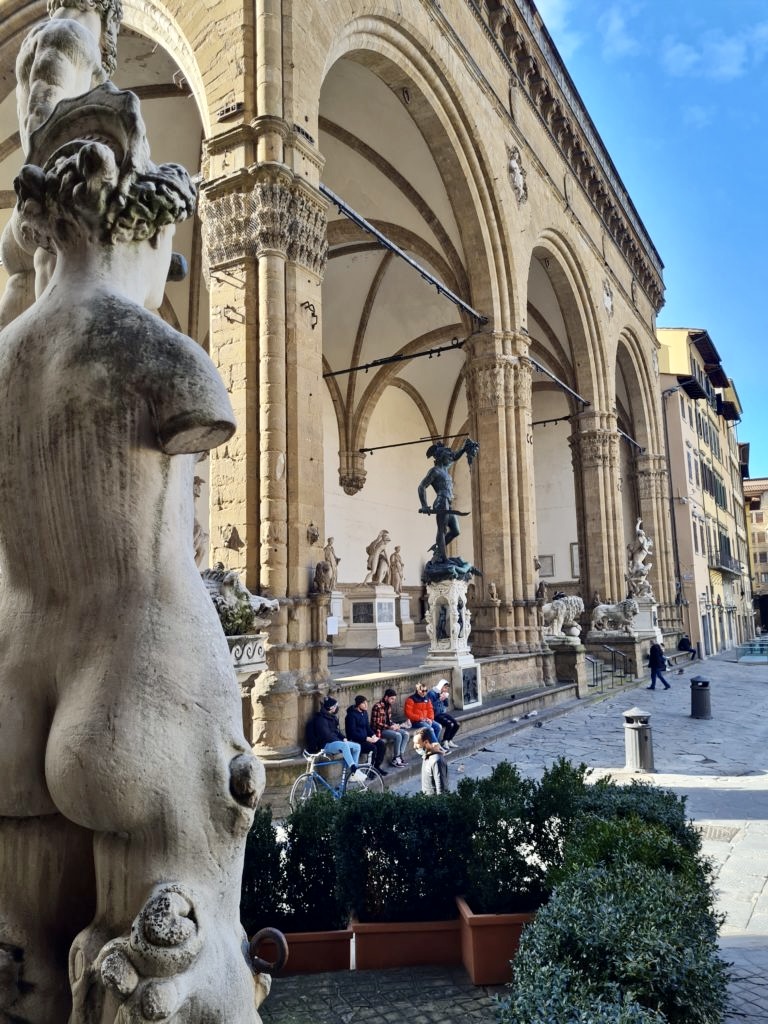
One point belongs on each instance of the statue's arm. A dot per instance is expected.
(187, 398)
(54, 70)
(423, 492)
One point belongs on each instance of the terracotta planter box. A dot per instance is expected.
(489, 942)
(406, 944)
(312, 952)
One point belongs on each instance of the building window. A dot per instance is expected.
(758, 517)
(695, 540)
(682, 405)
(762, 557)
(696, 470)
(690, 468)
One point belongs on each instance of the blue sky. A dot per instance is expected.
(677, 91)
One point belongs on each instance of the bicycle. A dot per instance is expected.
(310, 782)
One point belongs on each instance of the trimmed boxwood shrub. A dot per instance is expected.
(646, 935)
(503, 872)
(401, 858)
(290, 882)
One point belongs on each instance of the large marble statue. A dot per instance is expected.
(378, 561)
(127, 784)
(615, 616)
(63, 57)
(561, 615)
(637, 574)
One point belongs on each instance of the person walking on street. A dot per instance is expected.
(657, 662)
(383, 726)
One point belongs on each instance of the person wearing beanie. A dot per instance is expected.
(323, 733)
(359, 729)
(389, 731)
(439, 697)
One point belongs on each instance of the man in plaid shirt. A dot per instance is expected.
(383, 726)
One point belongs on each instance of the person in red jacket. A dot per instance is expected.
(420, 713)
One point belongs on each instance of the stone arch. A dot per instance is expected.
(588, 366)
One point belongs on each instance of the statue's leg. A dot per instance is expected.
(46, 896)
(452, 530)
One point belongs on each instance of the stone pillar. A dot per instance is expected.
(595, 453)
(499, 398)
(265, 247)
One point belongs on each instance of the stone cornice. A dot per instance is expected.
(521, 41)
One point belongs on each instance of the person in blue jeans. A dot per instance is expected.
(657, 662)
(329, 738)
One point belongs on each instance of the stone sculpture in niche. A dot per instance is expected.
(239, 610)
(65, 56)
(128, 786)
(637, 574)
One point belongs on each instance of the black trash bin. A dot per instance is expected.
(701, 706)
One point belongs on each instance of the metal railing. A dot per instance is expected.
(619, 663)
(596, 669)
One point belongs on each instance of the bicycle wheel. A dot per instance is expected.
(303, 789)
(368, 781)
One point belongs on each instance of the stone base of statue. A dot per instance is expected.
(570, 661)
(337, 609)
(249, 658)
(372, 621)
(404, 620)
(448, 623)
(646, 623)
(570, 637)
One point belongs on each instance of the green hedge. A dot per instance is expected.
(401, 858)
(629, 928)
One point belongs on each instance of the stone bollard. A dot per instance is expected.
(638, 741)
(700, 698)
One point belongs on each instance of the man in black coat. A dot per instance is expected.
(358, 727)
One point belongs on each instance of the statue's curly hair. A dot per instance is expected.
(76, 197)
(111, 13)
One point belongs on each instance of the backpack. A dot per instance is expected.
(311, 741)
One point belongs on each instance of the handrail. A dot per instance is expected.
(597, 666)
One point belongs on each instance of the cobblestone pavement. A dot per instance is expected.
(719, 765)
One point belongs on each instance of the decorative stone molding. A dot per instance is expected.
(516, 34)
(486, 385)
(595, 448)
(352, 471)
(250, 215)
(522, 375)
(607, 297)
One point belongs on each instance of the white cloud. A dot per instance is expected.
(679, 58)
(724, 56)
(698, 117)
(617, 40)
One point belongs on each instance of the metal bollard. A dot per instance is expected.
(701, 706)
(638, 741)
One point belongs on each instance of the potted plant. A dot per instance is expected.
(303, 900)
(400, 863)
(505, 877)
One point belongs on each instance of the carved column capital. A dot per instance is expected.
(261, 211)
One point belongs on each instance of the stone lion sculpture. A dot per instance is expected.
(323, 581)
(562, 611)
(615, 616)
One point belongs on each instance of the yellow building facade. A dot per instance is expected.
(701, 411)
